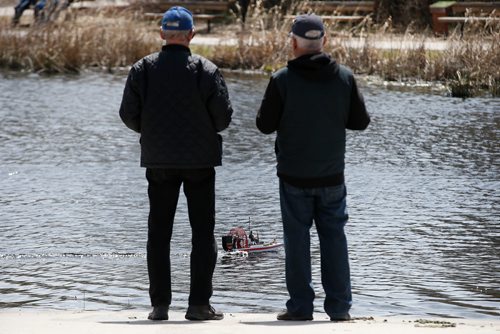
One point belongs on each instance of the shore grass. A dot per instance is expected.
(468, 66)
(101, 41)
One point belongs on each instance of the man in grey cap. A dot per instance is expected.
(178, 102)
(310, 103)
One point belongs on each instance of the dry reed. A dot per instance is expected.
(468, 66)
(68, 46)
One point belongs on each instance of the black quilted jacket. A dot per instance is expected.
(178, 102)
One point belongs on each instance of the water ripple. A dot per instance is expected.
(422, 181)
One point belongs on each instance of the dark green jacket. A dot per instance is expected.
(311, 103)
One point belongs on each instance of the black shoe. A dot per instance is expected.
(159, 313)
(287, 316)
(341, 317)
(203, 312)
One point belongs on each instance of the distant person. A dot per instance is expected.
(25, 4)
(310, 103)
(254, 238)
(44, 10)
(178, 102)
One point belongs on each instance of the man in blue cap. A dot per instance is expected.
(178, 102)
(310, 103)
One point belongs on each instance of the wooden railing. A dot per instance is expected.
(445, 12)
(197, 7)
(338, 7)
(339, 11)
(207, 11)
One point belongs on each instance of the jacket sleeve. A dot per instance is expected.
(131, 106)
(218, 103)
(271, 109)
(358, 116)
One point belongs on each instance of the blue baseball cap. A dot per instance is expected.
(177, 18)
(308, 26)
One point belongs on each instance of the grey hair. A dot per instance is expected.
(309, 44)
(176, 34)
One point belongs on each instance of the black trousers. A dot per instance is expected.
(163, 191)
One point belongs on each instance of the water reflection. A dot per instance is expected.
(423, 197)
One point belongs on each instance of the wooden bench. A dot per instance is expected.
(336, 10)
(476, 7)
(207, 11)
(336, 18)
(462, 21)
(446, 12)
(208, 18)
(343, 18)
(196, 7)
(339, 7)
(453, 19)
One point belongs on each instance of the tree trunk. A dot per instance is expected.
(403, 12)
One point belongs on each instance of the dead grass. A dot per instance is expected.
(68, 46)
(469, 66)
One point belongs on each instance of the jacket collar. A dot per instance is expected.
(316, 66)
(175, 48)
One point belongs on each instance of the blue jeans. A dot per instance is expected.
(25, 4)
(327, 207)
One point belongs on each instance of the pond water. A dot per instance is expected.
(423, 193)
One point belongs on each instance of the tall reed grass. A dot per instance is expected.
(101, 40)
(468, 66)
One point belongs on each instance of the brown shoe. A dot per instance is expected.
(290, 317)
(203, 312)
(159, 313)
